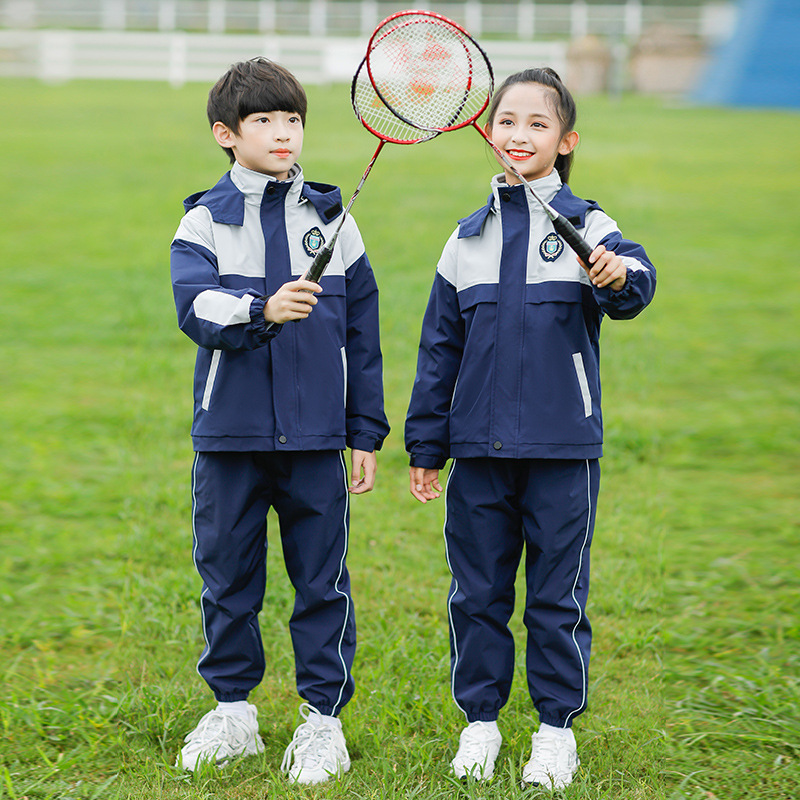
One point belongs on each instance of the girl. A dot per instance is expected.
(508, 385)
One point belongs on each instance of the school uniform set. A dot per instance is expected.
(274, 407)
(508, 386)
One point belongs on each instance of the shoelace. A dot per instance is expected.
(546, 750)
(219, 727)
(309, 741)
(475, 741)
(548, 754)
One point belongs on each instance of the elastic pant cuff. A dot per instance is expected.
(326, 711)
(556, 722)
(486, 716)
(231, 697)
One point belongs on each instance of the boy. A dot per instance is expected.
(288, 374)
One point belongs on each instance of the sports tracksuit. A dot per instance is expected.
(273, 410)
(508, 386)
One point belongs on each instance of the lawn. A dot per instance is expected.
(695, 677)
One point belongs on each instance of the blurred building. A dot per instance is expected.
(759, 65)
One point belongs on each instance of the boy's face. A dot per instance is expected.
(269, 142)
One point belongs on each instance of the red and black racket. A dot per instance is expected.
(388, 127)
(433, 76)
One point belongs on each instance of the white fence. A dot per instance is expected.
(323, 40)
(523, 19)
(181, 57)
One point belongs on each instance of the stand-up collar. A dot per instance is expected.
(549, 188)
(546, 188)
(253, 184)
(226, 200)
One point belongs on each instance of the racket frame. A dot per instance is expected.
(561, 224)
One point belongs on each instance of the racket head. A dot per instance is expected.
(428, 71)
(376, 117)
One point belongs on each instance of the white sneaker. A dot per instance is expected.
(554, 760)
(478, 747)
(317, 748)
(221, 736)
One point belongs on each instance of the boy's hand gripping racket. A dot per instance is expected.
(432, 75)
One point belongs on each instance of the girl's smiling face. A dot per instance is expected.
(527, 130)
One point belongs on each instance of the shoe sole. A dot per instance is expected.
(320, 777)
(476, 773)
(560, 782)
(480, 778)
(260, 747)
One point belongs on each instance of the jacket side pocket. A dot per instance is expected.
(344, 373)
(580, 371)
(212, 376)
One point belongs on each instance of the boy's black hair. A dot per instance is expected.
(564, 106)
(252, 86)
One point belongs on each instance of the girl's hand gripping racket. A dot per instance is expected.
(432, 75)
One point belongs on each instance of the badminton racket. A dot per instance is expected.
(432, 75)
(375, 116)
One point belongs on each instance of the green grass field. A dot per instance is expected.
(695, 677)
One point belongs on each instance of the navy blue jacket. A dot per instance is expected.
(314, 384)
(509, 358)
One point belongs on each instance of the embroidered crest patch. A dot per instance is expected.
(551, 247)
(312, 242)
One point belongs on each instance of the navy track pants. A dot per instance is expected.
(494, 507)
(232, 493)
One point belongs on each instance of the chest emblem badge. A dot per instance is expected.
(312, 241)
(551, 247)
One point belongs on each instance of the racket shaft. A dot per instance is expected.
(568, 233)
(322, 258)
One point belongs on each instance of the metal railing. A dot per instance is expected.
(524, 19)
(179, 58)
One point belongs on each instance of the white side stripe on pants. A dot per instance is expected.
(194, 561)
(450, 598)
(575, 586)
(336, 585)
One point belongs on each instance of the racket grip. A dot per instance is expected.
(314, 272)
(319, 264)
(568, 233)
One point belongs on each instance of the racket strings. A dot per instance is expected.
(376, 116)
(429, 72)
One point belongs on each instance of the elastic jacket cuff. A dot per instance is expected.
(623, 293)
(363, 441)
(263, 330)
(427, 461)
